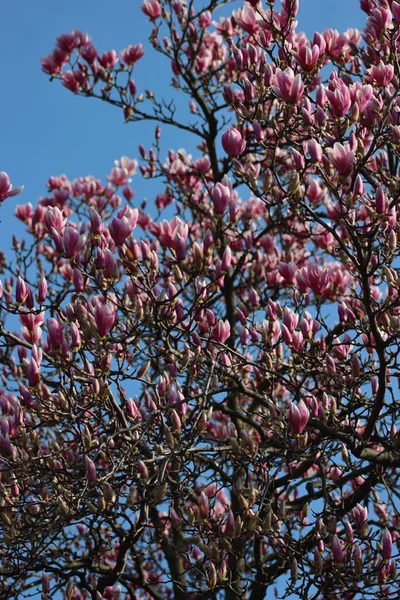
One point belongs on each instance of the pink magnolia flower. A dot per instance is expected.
(108, 59)
(120, 229)
(314, 149)
(104, 316)
(32, 372)
(341, 157)
(308, 57)
(381, 74)
(288, 86)
(221, 331)
(314, 277)
(6, 189)
(70, 81)
(21, 291)
(132, 54)
(221, 196)
(54, 334)
(396, 10)
(387, 544)
(337, 549)
(339, 99)
(246, 18)
(90, 469)
(298, 416)
(233, 143)
(73, 241)
(152, 9)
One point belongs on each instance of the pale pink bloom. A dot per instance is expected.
(298, 416)
(6, 188)
(341, 157)
(152, 9)
(288, 86)
(118, 177)
(129, 164)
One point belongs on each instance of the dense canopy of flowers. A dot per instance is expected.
(201, 396)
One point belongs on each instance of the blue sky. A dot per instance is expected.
(46, 130)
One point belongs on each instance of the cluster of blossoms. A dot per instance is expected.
(200, 399)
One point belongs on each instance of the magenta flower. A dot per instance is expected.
(90, 469)
(6, 189)
(314, 150)
(380, 74)
(307, 57)
(233, 143)
(246, 18)
(221, 195)
(42, 291)
(298, 416)
(396, 10)
(54, 334)
(72, 241)
(104, 316)
(120, 229)
(339, 99)
(21, 291)
(341, 157)
(152, 9)
(132, 54)
(32, 372)
(387, 544)
(288, 86)
(221, 331)
(337, 549)
(314, 277)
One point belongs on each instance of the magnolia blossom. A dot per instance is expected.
(6, 188)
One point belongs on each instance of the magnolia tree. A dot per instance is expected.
(201, 401)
